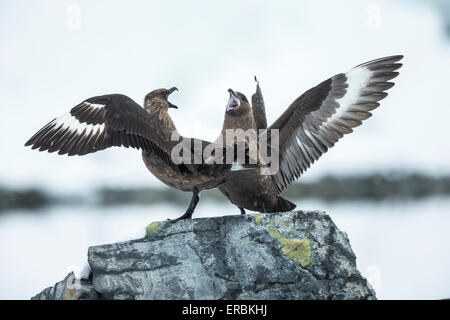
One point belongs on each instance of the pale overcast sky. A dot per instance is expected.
(54, 54)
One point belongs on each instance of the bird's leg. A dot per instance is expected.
(192, 205)
(242, 210)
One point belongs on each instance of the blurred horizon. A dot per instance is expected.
(371, 188)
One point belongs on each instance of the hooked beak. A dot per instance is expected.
(170, 92)
(233, 101)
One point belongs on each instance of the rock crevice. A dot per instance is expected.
(292, 255)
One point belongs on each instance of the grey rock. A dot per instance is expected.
(292, 255)
(69, 289)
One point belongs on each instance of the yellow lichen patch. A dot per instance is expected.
(298, 249)
(153, 228)
(258, 218)
(69, 294)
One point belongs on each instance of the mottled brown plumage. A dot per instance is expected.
(311, 125)
(249, 189)
(116, 120)
(239, 116)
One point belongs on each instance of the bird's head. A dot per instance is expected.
(237, 104)
(158, 100)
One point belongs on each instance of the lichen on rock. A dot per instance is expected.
(297, 249)
(290, 255)
(152, 228)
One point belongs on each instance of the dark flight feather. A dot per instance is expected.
(258, 108)
(113, 120)
(316, 120)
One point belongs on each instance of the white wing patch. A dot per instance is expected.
(94, 105)
(68, 121)
(349, 101)
(69, 135)
(357, 79)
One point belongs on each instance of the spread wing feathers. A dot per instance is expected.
(258, 108)
(116, 120)
(316, 120)
(99, 123)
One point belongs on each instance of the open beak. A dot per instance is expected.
(170, 92)
(233, 101)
